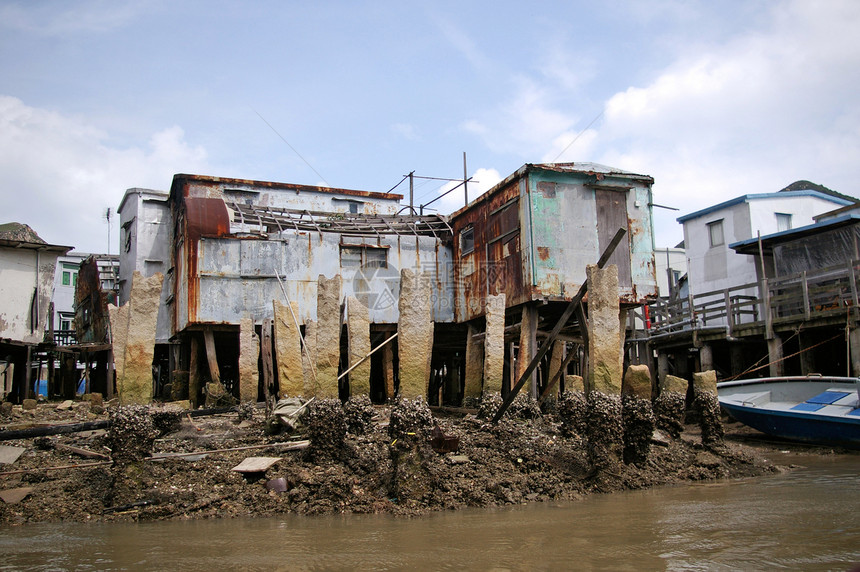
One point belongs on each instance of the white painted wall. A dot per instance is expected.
(144, 236)
(25, 271)
(719, 267)
(665, 258)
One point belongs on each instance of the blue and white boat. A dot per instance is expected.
(813, 409)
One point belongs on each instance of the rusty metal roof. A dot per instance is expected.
(280, 219)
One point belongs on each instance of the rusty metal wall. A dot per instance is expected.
(537, 231)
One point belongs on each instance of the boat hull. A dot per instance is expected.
(831, 425)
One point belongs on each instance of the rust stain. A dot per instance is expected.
(543, 252)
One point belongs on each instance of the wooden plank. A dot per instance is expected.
(209, 341)
(269, 382)
(256, 464)
(10, 454)
(12, 496)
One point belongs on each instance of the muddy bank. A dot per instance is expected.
(359, 459)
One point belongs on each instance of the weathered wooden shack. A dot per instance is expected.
(530, 239)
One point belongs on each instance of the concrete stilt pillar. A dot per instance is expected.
(328, 336)
(662, 366)
(854, 347)
(135, 384)
(494, 344)
(528, 345)
(605, 364)
(358, 330)
(737, 353)
(474, 365)
(775, 355)
(249, 355)
(288, 350)
(706, 357)
(605, 368)
(415, 339)
(807, 357)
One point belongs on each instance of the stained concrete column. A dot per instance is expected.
(706, 357)
(494, 344)
(328, 336)
(605, 363)
(807, 357)
(415, 338)
(135, 384)
(775, 355)
(662, 366)
(288, 350)
(605, 370)
(854, 346)
(528, 346)
(474, 365)
(358, 332)
(249, 355)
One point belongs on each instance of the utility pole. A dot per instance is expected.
(465, 179)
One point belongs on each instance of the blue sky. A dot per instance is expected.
(712, 99)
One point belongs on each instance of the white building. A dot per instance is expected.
(144, 238)
(712, 265)
(670, 265)
(65, 281)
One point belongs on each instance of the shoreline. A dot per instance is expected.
(517, 461)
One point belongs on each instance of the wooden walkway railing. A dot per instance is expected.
(801, 297)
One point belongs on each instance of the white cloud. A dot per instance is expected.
(59, 18)
(752, 115)
(524, 125)
(482, 180)
(58, 174)
(406, 130)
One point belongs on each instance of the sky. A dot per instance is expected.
(712, 99)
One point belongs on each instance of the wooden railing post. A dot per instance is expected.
(765, 306)
(730, 316)
(804, 284)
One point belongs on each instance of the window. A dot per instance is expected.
(715, 233)
(358, 256)
(467, 240)
(783, 222)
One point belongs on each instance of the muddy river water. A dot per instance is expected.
(807, 519)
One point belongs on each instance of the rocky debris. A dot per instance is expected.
(358, 412)
(708, 406)
(522, 407)
(326, 428)
(409, 427)
(131, 434)
(6, 410)
(639, 423)
(513, 462)
(573, 413)
(669, 410)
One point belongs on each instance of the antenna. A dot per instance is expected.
(107, 216)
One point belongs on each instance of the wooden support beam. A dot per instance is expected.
(209, 341)
(555, 378)
(568, 312)
(270, 384)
